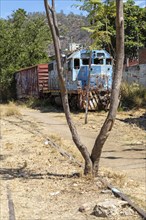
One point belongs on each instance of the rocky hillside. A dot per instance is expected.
(71, 30)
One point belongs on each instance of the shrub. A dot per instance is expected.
(132, 96)
(37, 103)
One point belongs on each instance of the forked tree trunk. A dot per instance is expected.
(108, 124)
(91, 161)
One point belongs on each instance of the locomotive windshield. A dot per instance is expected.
(101, 55)
(108, 61)
(76, 63)
(85, 61)
(98, 61)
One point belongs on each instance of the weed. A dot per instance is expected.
(132, 96)
(56, 138)
(9, 109)
(33, 102)
(117, 177)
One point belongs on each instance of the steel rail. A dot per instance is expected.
(124, 197)
(10, 205)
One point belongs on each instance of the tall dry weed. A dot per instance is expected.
(9, 110)
(115, 177)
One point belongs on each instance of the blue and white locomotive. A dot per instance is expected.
(84, 68)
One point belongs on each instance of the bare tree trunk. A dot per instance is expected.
(108, 124)
(88, 91)
(52, 21)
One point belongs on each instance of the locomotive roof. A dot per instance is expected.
(77, 54)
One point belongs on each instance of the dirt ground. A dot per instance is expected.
(37, 182)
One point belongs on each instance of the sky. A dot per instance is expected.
(8, 6)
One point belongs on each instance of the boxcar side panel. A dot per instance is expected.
(27, 83)
(43, 78)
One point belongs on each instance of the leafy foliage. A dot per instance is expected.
(133, 34)
(24, 40)
(102, 25)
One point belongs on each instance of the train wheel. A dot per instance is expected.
(52, 100)
(73, 103)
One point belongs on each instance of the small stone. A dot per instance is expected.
(46, 142)
(93, 126)
(139, 143)
(85, 207)
(99, 212)
(110, 207)
(54, 193)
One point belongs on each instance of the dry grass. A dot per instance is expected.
(117, 178)
(57, 139)
(9, 110)
(67, 146)
(133, 96)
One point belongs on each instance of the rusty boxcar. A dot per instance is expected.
(32, 81)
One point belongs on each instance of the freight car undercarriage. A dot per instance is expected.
(97, 100)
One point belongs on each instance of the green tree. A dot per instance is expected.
(6, 60)
(102, 19)
(133, 27)
(37, 38)
(143, 26)
(24, 40)
(102, 23)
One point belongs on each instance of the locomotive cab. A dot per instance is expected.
(100, 70)
(80, 67)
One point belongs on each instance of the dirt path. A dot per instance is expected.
(125, 149)
(37, 182)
